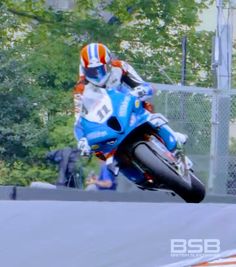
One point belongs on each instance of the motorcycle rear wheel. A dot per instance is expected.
(192, 191)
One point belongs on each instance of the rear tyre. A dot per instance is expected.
(191, 191)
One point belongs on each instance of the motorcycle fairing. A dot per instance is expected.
(113, 117)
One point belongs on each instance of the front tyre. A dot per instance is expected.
(191, 191)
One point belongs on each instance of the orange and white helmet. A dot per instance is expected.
(95, 61)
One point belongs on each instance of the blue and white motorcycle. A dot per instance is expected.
(120, 131)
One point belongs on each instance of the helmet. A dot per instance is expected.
(95, 61)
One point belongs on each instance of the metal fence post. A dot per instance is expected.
(221, 105)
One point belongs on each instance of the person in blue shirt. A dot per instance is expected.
(106, 180)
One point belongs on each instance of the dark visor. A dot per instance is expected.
(96, 72)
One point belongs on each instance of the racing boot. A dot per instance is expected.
(181, 138)
(174, 141)
(181, 141)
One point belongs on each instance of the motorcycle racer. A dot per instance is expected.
(99, 70)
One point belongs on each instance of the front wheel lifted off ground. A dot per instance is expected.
(193, 191)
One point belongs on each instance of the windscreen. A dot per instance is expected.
(97, 106)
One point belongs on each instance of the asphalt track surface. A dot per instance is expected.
(107, 234)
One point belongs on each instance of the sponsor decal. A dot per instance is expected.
(132, 120)
(94, 135)
(137, 103)
(124, 106)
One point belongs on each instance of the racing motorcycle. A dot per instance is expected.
(122, 132)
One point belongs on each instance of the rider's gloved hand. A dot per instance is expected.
(142, 91)
(84, 147)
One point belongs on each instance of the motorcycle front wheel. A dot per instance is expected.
(191, 190)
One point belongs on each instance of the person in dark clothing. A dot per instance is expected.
(67, 160)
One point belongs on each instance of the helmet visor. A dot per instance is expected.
(95, 73)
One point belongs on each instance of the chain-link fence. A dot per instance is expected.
(233, 23)
(208, 117)
(231, 183)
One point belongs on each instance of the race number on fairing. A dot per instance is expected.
(97, 106)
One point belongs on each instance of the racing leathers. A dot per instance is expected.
(121, 72)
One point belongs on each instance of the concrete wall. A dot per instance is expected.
(68, 194)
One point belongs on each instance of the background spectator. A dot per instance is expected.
(105, 181)
(69, 172)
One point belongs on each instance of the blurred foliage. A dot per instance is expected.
(39, 60)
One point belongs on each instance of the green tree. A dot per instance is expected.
(39, 65)
(152, 31)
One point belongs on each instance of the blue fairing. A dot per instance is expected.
(128, 112)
